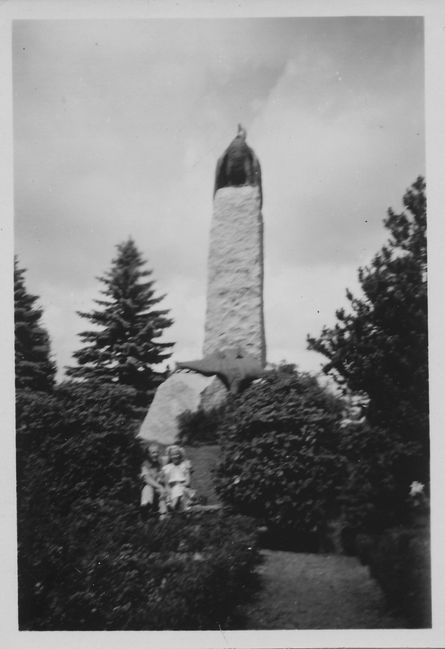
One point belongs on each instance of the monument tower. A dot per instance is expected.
(234, 341)
(234, 316)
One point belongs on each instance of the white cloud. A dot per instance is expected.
(118, 126)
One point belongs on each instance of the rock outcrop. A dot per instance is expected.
(180, 392)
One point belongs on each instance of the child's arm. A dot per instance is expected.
(187, 472)
(157, 485)
(148, 478)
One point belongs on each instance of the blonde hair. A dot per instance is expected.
(148, 446)
(175, 448)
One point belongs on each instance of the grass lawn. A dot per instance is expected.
(317, 591)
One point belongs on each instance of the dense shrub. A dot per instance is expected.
(280, 457)
(379, 469)
(200, 427)
(77, 443)
(101, 567)
(199, 433)
(379, 517)
(86, 560)
(204, 459)
(399, 559)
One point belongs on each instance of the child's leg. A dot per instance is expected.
(174, 503)
(147, 495)
(188, 496)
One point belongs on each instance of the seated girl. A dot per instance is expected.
(153, 493)
(176, 476)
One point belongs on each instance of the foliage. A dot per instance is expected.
(101, 568)
(78, 442)
(204, 459)
(381, 346)
(380, 349)
(124, 346)
(86, 560)
(280, 457)
(200, 427)
(199, 433)
(379, 469)
(33, 366)
(399, 559)
(73, 445)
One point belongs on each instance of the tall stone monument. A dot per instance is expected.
(234, 316)
(234, 341)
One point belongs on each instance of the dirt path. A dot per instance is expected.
(316, 591)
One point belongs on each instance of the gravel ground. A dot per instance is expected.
(317, 591)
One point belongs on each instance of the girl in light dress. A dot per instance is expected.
(153, 496)
(175, 476)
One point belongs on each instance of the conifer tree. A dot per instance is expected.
(34, 368)
(380, 347)
(124, 346)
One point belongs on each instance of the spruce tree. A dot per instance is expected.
(380, 346)
(34, 368)
(124, 346)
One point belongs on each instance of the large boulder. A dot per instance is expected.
(183, 390)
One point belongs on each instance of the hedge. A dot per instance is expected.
(102, 568)
(399, 560)
(280, 458)
(86, 559)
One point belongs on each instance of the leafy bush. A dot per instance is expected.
(101, 567)
(380, 468)
(204, 459)
(280, 457)
(77, 443)
(399, 559)
(86, 560)
(200, 427)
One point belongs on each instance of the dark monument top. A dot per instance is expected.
(238, 165)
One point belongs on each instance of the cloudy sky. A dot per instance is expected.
(118, 126)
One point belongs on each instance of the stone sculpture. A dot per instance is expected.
(234, 350)
(234, 367)
(238, 165)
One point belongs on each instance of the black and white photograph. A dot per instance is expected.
(221, 336)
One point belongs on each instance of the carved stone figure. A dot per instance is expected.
(235, 368)
(238, 165)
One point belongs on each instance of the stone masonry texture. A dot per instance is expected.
(234, 317)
